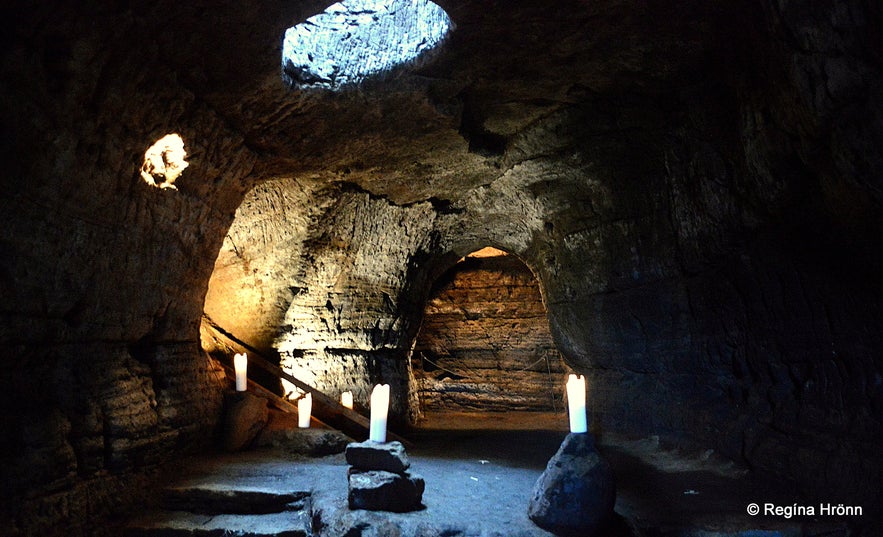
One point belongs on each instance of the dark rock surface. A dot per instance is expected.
(575, 494)
(379, 480)
(386, 456)
(457, 503)
(212, 510)
(186, 524)
(312, 442)
(212, 500)
(219, 497)
(697, 189)
(378, 490)
(244, 418)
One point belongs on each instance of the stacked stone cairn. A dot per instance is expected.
(379, 479)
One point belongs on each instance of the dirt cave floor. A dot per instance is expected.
(480, 471)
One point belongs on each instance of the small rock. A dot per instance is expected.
(377, 490)
(576, 493)
(246, 416)
(312, 442)
(282, 432)
(368, 455)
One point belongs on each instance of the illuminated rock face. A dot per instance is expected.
(485, 344)
(351, 324)
(698, 195)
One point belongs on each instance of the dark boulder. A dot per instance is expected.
(377, 490)
(576, 493)
(246, 416)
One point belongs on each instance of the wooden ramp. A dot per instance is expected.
(326, 409)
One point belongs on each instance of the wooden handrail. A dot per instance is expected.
(327, 408)
(279, 402)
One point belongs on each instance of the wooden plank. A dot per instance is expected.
(279, 402)
(327, 408)
(330, 404)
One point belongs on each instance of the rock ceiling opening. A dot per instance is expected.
(507, 78)
(356, 39)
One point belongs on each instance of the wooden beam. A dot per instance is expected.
(280, 403)
(327, 408)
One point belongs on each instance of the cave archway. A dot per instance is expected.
(484, 344)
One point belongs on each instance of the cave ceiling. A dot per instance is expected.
(439, 129)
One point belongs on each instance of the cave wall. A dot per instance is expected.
(321, 283)
(737, 302)
(706, 288)
(484, 343)
(251, 284)
(706, 232)
(351, 324)
(102, 278)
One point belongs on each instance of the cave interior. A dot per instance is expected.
(467, 200)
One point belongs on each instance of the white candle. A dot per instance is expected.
(576, 403)
(379, 413)
(346, 399)
(240, 364)
(304, 408)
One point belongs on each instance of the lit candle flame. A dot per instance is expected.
(576, 403)
(240, 365)
(304, 409)
(379, 413)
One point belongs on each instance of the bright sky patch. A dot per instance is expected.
(355, 39)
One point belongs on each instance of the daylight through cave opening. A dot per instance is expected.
(485, 343)
(357, 39)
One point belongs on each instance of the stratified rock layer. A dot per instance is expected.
(485, 344)
(696, 189)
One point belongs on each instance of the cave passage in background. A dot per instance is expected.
(485, 343)
(356, 39)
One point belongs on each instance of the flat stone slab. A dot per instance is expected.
(246, 414)
(376, 490)
(312, 442)
(221, 498)
(387, 456)
(181, 523)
